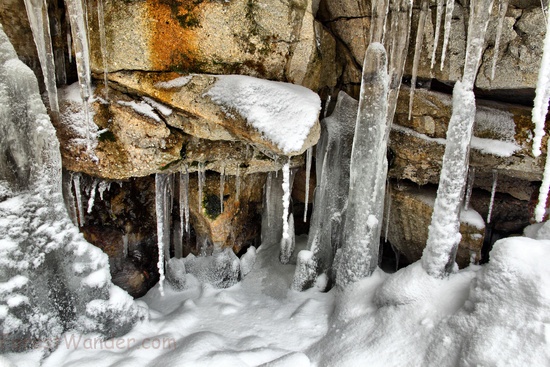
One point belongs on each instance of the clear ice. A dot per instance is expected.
(309, 154)
(502, 8)
(447, 30)
(418, 47)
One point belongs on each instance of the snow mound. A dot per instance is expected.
(284, 113)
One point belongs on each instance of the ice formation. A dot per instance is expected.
(469, 187)
(438, 258)
(163, 202)
(41, 249)
(449, 7)
(287, 240)
(493, 192)
(438, 16)
(368, 170)
(418, 45)
(103, 44)
(309, 155)
(502, 8)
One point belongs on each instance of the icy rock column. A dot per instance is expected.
(331, 193)
(37, 12)
(368, 169)
(438, 258)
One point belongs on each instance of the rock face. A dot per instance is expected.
(408, 233)
(272, 40)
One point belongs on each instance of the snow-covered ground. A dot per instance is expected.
(497, 314)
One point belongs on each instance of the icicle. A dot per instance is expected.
(237, 183)
(327, 103)
(388, 211)
(103, 185)
(437, 29)
(418, 47)
(184, 196)
(503, 7)
(286, 241)
(103, 43)
(125, 245)
(544, 11)
(308, 173)
(92, 196)
(540, 210)
(542, 96)
(378, 24)
(448, 22)
(493, 191)
(368, 171)
(268, 184)
(438, 258)
(222, 187)
(162, 209)
(77, 13)
(69, 44)
(469, 187)
(37, 12)
(78, 196)
(201, 178)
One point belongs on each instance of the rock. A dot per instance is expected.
(408, 233)
(271, 40)
(418, 144)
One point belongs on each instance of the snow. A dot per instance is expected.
(284, 113)
(163, 109)
(141, 108)
(179, 82)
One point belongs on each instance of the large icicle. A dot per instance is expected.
(77, 12)
(308, 173)
(162, 208)
(361, 235)
(437, 29)
(438, 258)
(37, 12)
(379, 10)
(103, 43)
(287, 243)
(418, 47)
(502, 9)
(447, 32)
(540, 109)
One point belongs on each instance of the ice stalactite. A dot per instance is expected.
(237, 182)
(201, 178)
(77, 16)
(37, 12)
(449, 8)
(540, 209)
(327, 104)
(162, 209)
(418, 48)
(309, 155)
(379, 11)
(388, 210)
(469, 187)
(184, 198)
(438, 258)
(287, 243)
(125, 245)
(103, 44)
(78, 197)
(438, 16)
(493, 192)
(102, 187)
(272, 223)
(358, 256)
(502, 9)
(91, 200)
(267, 195)
(222, 187)
(69, 43)
(333, 154)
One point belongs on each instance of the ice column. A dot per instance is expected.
(418, 47)
(77, 14)
(368, 169)
(287, 242)
(37, 12)
(540, 109)
(308, 174)
(438, 258)
(379, 10)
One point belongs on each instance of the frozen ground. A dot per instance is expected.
(492, 315)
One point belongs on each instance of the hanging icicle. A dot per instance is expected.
(418, 47)
(447, 30)
(502, 9)
(542, 96)
(162, 209)
(379, 11)
(308, 175)
(438, 16)
(469, 187)
(92, 196)
(388, 210)
(222, 187)
(78, 197)
(268, 184)
(493, 192)
(237, 183)
(125, 245)
(201, 178)
(286, 241)
(103, 43)
(77, 16)
(37, 12)
(184, 199)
